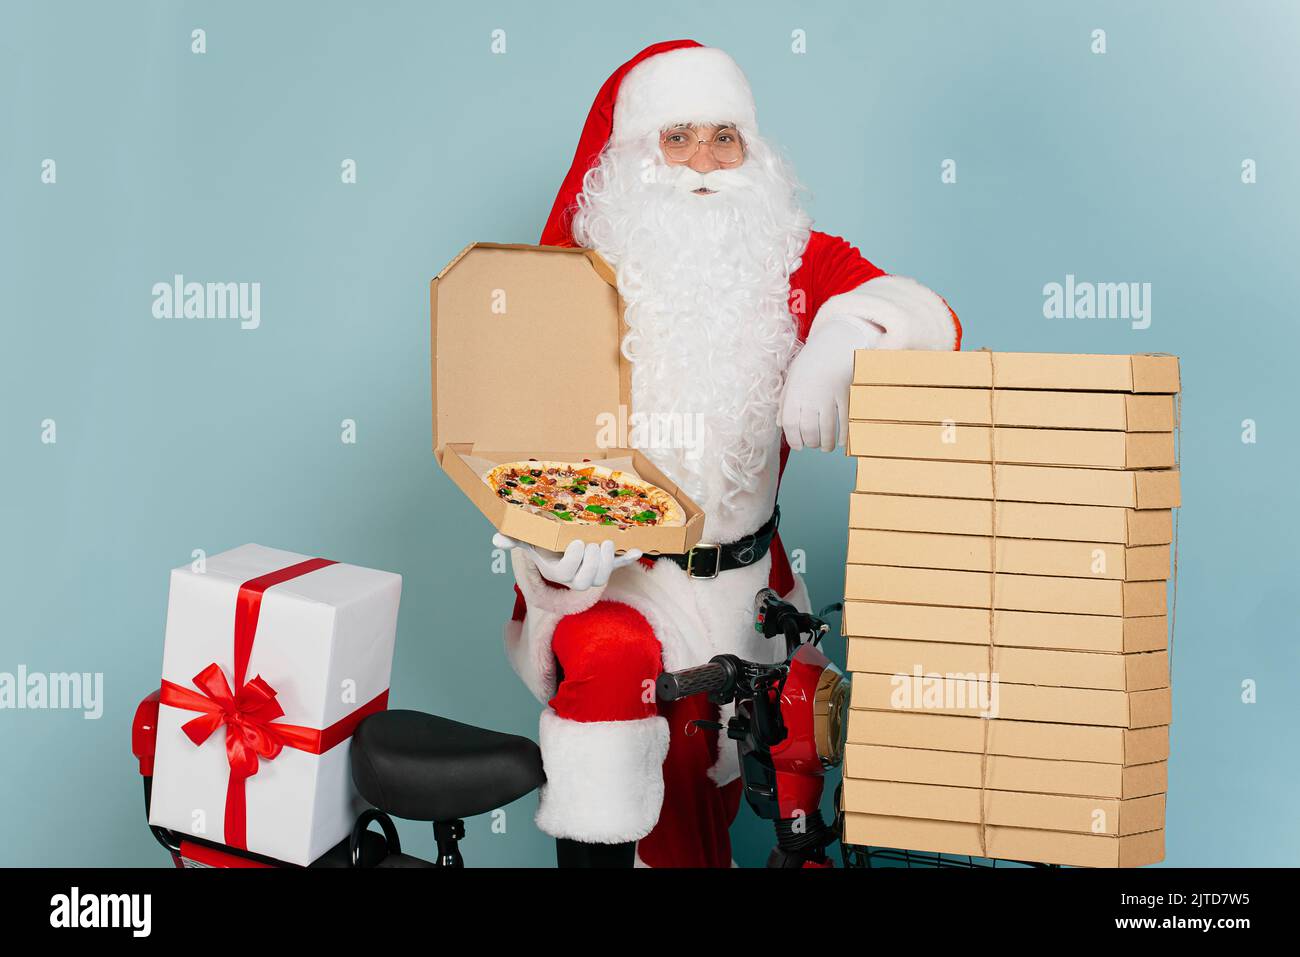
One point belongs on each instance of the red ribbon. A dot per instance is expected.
(248, 713)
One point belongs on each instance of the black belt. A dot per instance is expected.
(706, 560)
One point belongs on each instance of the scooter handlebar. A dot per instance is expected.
(673, 685)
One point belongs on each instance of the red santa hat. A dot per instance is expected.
(677, 81)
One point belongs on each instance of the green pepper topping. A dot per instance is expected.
(598, 509)
(527, 480)
(645, 516)
(563, 516)
(538, 500)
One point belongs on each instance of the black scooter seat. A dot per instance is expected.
(425, 768)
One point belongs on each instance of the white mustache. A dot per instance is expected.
(687, 180)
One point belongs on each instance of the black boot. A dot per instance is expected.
(570, 853)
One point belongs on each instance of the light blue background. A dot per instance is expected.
(225, 167)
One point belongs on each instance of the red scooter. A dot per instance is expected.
(788, 725)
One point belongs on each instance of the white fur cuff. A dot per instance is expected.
(604, 779)
(912, 316)
(538, 594)
(531, 658)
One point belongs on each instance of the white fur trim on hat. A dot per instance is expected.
(690, 85)
(604, 779)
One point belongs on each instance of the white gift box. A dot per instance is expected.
(323, 641)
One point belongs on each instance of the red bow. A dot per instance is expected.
(247, 716)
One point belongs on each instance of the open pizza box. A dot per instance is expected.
(526, 365)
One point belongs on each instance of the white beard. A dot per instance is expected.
(710, 335)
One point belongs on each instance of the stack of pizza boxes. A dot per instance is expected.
(1009, 551)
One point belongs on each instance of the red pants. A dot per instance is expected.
(609, 658)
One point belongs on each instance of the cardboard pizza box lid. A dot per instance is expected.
(1141, 373)
(1011, 629)
(1052, 812)
(525, 356)
(1029, 739)
(1119, 709)
(1011, 843)
(1140, 671)
(525, 348)
(1030, 520)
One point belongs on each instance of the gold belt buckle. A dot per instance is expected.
(717, 561)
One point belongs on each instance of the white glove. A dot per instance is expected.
(815, 405)
(582, 566)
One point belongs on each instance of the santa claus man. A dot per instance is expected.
(742, 318)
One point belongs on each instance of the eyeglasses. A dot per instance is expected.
(681, 143)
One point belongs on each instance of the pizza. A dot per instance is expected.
(585, 494)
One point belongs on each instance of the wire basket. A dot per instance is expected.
(856, 855)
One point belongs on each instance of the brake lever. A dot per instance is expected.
(769, 728)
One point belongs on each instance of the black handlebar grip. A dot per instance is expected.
(672, 685)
